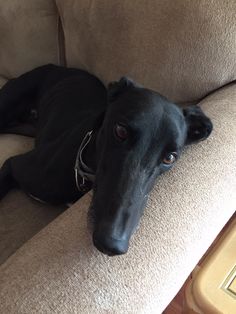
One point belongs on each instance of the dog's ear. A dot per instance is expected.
(115, 89)
(199, 126)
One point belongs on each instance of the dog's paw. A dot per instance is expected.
(6, 180)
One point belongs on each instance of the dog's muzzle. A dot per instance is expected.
(109, 245)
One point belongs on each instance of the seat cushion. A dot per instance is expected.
(59, 270)
(20, 216)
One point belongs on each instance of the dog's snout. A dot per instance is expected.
(109, 245)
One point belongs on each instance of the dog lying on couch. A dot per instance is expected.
(116, 141)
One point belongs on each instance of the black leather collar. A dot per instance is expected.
(84, 176)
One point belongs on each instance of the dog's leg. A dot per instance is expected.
(24, 171)
(7, 182)
(18, 95)
(17, 171)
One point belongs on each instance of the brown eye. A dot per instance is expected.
(169, 159)
(121, 132)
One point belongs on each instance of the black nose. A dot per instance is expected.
(110, 246)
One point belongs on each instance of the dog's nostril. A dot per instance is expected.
(110, 246)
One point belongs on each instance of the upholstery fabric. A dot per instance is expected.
(20, 216)
(28, 35)
(2, 81)
(183, 49)
(59, 271)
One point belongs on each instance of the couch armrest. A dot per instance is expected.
(59, 271)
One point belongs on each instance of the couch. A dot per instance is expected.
(185, 50)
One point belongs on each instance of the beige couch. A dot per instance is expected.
(184, 49)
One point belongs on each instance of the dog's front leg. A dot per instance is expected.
(7, 182)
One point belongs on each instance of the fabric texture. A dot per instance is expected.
(183, 49)
(28, 35)
(20, 216)
(2, 81)
(59, 270)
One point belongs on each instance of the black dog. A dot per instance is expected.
(116, 141)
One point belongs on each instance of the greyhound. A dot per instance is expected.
(116, 140)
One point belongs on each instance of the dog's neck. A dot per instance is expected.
(86, 160)
(89, 153)
(85, 169)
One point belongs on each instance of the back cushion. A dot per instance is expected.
(182, 48)
(28, 35)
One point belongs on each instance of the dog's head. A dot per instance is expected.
(141, 137)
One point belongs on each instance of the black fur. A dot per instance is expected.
(62, 105)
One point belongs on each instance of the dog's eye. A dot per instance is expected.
(170, 158)
(121, 132)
